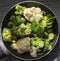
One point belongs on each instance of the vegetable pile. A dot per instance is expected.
(29, 30)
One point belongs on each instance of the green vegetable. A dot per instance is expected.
(47, 45)
(11, 24)
(47, 21)
(19, 10)
(51, 36)
(6, 34)
(37, 42)
(23, 30)
(17, 19)
(45, 35)
(16, 31)
(28, 29)
(36, 28)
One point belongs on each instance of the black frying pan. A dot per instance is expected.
(27, 56)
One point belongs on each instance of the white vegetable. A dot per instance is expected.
(33, 53)
(33, 13)
(23, 45)
(27, 13)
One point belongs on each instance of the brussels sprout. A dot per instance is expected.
(51, 36)
(14, 45)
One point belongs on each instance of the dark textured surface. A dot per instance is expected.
(54, 5)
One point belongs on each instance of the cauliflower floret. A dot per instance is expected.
(38, 17)
(33, 13)
(27, 13)
(33, 52)
(38, 10)
(23, 45)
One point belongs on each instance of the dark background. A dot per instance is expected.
(5, 5)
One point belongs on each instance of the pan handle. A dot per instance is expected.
(3, 50)
(2, 54)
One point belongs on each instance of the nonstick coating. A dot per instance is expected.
(27, 56)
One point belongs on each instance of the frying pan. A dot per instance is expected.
(27, 56)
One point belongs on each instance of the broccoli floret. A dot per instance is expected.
(6, 34)
(16, 31)
(36, 28)
(19, 9)
(47, 21)
(28, 29)
(45, 34)
(22, 26)
(11, 24)
(23, 30)
(17, 19)
(47, 45)
(38, 43)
